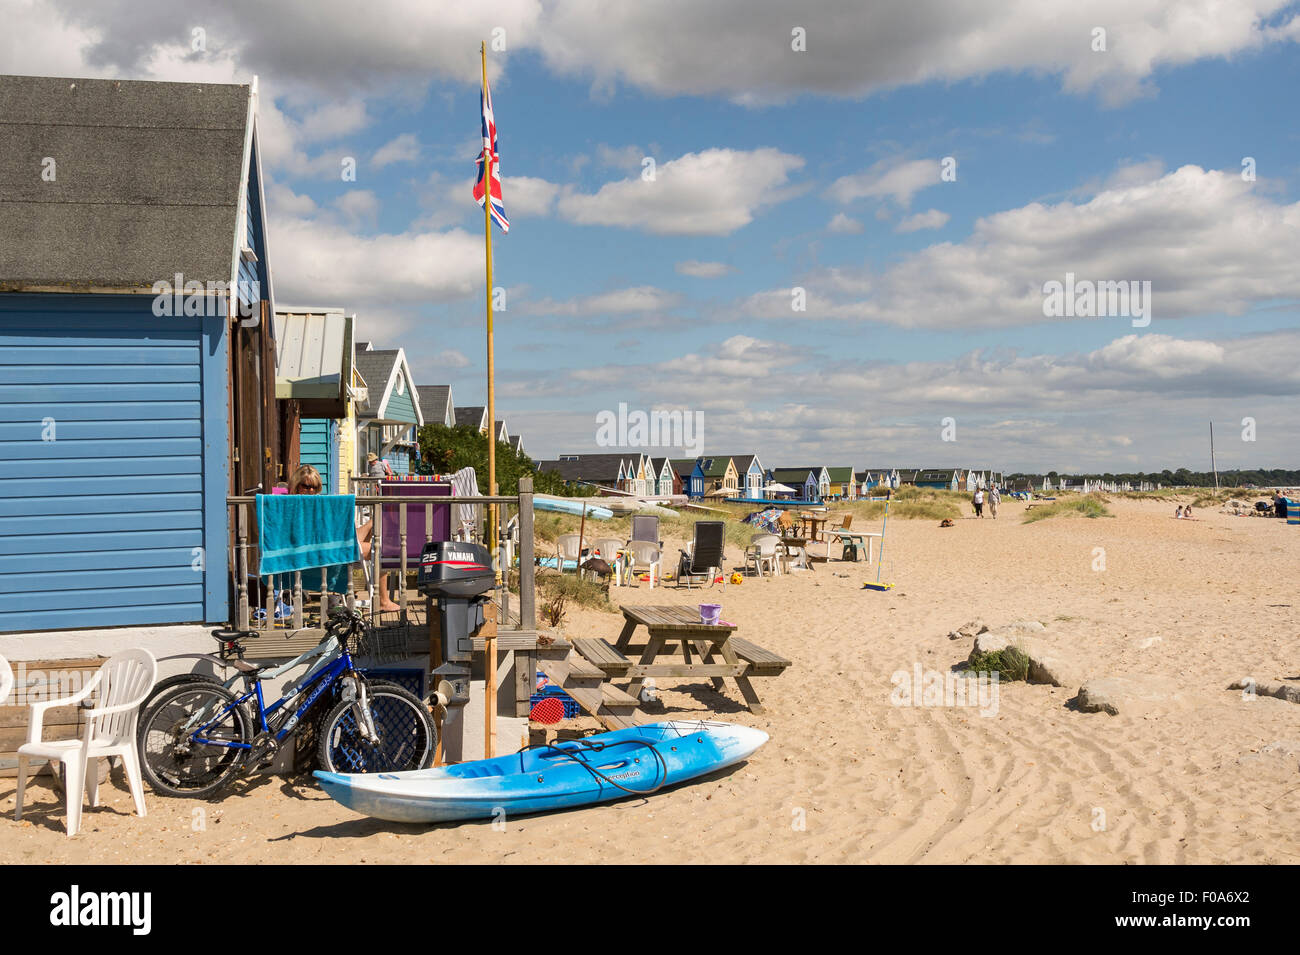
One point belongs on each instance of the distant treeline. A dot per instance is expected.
(1263, 477)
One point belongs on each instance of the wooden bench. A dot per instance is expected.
(761, 662)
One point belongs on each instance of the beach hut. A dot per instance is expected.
(942, 479)
(313, 353)
(471, 416)
(600, 470)
(683, 471)
(719, 473)
(839, 483)
(804, 480)
(135, 324)
(750, 475)
(390, 417)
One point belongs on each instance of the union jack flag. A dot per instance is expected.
(492, 159)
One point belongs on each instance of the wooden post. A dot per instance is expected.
(401, 532)
(527, 579)
(526, 661)
(241, 535)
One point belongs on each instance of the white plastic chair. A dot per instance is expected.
(762, 552)
(566, 549)
(646, 554)
(6, 680)
(609, 548)
(123, 682)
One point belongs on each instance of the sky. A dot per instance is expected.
(829, 230)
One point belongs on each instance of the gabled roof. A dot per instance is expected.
(382, 368)
(435, 402)
(684, 466)
(937, 474)
(714, 467)
(840, 475)
(743, 462)
(797, 475)
(146, 182)
(516, 442)
(472, 416)
(597, 468)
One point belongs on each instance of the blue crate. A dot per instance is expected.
(571, 707)
(409, 678)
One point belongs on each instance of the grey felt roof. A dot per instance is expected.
(376, 367)
(471, 416)
(146, 181)
(434, 400)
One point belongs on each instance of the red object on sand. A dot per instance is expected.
(548, 711)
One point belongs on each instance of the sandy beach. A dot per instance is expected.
(1201, 775)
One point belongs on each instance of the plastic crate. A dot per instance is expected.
(571, 707)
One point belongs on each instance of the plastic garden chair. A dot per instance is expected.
(762, 552)
(646, 554)
(123, 682)
(566, 549)
(6, 680)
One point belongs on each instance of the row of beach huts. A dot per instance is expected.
(744, 476)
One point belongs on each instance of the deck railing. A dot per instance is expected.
(244, 562)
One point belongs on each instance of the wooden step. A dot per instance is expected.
(588, 687)
(573, 673)
(603, 654)
(616, 699)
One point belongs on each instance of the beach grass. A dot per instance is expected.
(1086, 505)
(1011, 663)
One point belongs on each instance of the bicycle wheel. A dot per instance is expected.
(173, 763)
(407, 737)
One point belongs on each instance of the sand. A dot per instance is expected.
(848, 776)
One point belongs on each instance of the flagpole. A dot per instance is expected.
(489, 636)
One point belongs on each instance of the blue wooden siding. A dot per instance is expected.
(252, 275)
(315, 438)
(113, 474)
(400, 407)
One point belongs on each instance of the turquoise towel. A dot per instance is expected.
(302, 531)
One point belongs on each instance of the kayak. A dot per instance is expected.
(564, 505)
(636, 761)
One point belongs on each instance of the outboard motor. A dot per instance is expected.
(460, 576)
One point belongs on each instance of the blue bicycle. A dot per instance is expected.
(197, 733)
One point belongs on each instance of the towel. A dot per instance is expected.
(302, 531)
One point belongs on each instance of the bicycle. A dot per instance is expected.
(197, 733)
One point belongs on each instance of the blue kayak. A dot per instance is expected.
(564, 505)
(638, 761)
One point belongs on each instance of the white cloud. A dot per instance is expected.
(714, 192)
(638, 299)
(403, 148)
(742, 48)
(930, 219)
(1208, 242)
(844, 225)
(703, 270)
(888, 179)
(450, 358)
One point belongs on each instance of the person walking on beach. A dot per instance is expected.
(994, 500)
(978, 501)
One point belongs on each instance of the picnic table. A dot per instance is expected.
(859, 537)
(677, 624)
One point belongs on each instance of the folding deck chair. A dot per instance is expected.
(705, 556)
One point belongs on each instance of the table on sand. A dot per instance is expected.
(676, 624)
(858, 537)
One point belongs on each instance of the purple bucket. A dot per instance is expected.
(709, 614)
